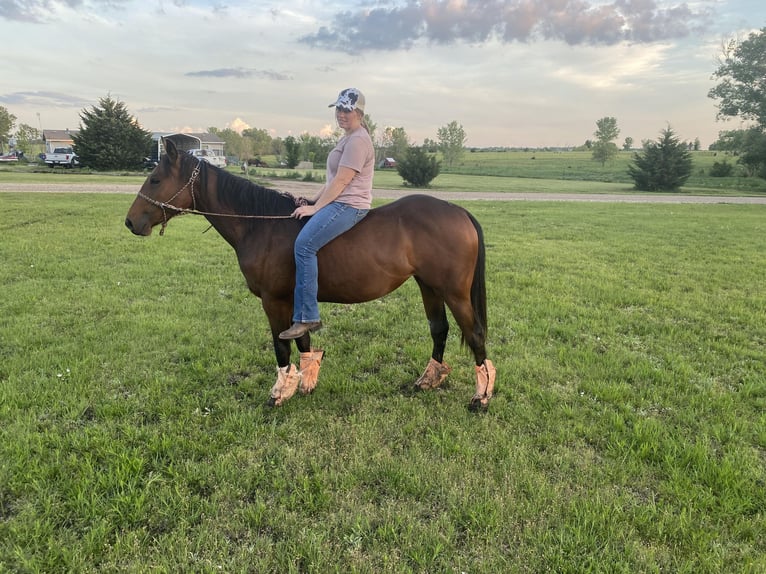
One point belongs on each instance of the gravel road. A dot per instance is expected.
(308, 189)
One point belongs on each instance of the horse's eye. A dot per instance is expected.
(154, 181)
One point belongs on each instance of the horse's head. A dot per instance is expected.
(167, 191)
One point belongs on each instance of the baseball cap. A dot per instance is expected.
(349, 100)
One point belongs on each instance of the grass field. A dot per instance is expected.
(628, 433)
(528, 171)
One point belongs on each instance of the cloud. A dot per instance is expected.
(238, 125)
(41, 11)
(477, 21)
(51, 99)
(241, 73)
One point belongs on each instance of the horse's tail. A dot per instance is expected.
(479, 287)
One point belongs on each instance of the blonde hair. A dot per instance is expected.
(362, 121)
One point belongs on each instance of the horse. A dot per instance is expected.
(438, 243)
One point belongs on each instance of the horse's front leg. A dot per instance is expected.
(290, 379)
(288, 376)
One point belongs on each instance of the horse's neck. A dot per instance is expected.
(235, 230)
(208, 203)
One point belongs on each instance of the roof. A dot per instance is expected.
(59, 135)
(207, 138)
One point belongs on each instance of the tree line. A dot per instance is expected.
(110, 138)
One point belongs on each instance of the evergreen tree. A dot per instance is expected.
(110, 138)
(664, 165)
(417, 167)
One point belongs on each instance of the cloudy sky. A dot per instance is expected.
(512, 72)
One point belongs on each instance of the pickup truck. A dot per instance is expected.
(209, 156)
(63, 156)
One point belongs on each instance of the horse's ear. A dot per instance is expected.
(170, 149)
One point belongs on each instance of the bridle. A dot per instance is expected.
(165, 205)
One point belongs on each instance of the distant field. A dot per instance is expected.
(532, 171)
(557, 167)
(580, 166)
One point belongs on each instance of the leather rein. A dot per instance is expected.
(165, 205)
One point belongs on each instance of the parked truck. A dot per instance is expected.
(63, 156)
(209, 156)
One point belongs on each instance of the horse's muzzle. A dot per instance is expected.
(145, 230)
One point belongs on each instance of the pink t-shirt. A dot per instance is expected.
(354, 151)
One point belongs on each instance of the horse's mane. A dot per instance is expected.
(242, 196)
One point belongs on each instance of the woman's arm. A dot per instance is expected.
(327, 194)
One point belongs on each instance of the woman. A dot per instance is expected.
(341, 203)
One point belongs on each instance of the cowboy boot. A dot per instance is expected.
(485, 385)
(434, 375)
(310, 363)
(288, 379)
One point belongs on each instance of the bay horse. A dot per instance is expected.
(438, 243)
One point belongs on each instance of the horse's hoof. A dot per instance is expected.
(272, 402)
(479, 405)
(433, 376)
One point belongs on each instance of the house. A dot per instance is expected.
(387, 162)
(188, 142)
(58, 138)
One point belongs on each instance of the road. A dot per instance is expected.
(309, 188)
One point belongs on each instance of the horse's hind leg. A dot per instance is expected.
(474, 336)
(437, 370)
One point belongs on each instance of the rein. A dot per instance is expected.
(164, 205)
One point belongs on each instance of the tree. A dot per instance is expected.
(628, 144)
(742, 74)
(395, 143)
(257, 142)
(110, 138)
(417, 167)
(603, 148)
(664, 165)
(234, 143)
(315, 149)
(729, 140)
(7, 122)
(26, 136)
(292, 152)
(451, 142)
(752, 153)
(371, 126)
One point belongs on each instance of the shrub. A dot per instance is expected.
(418, 168)
(664, 165)
(721, 169)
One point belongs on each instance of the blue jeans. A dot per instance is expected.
(324, 226)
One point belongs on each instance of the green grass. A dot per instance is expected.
(534, 171)
(628, 433)
(579, 166)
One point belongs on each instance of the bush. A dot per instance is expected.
(721, 169)
(664, 165)
(110, 138)
(418, 168)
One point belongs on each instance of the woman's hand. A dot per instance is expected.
(304, 211)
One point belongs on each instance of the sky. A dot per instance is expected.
(513, 73)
